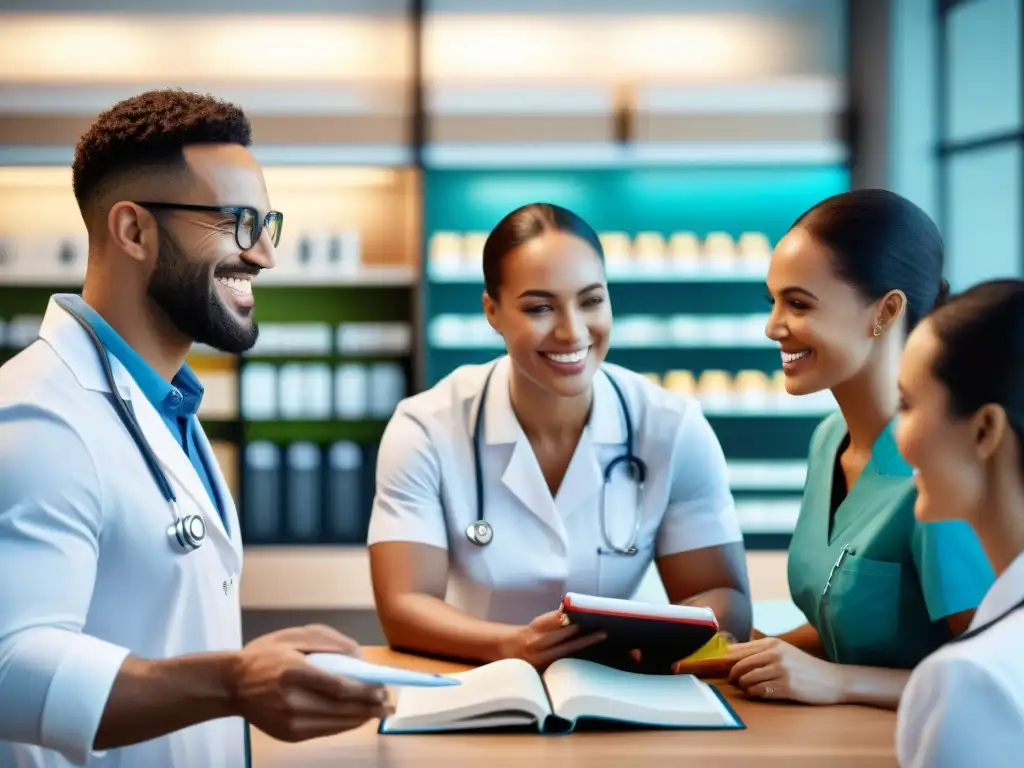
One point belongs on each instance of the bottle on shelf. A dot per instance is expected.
(351, 391)
(62, 258)
(752, 390)
(259, 400)
(386, 388)
(754, 251)
(358, 338)
(220, 389)
(226, 455)
(345, 510)
(317, 386)
(720, 251)
(304, 505)
(316, 255)
(681, 382)
(444, 253)
(714, 390)
(293, 339)
(684, 253)
(261, 508)
(23, 330)
(618, 252)
(641, 331)
(685, 330)
(292, 391)
(649, 252)
(8, 258)
(343, 253)
(473, 253)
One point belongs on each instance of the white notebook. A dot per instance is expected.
(510, 694)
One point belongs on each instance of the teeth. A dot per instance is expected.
(238, 285)
(571, 357)
(792, 357)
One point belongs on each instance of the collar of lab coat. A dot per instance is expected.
(1006, 592)
(607, 422)
(583, 479)
(72, 344)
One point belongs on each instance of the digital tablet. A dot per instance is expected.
(365, 672)
(662, 633)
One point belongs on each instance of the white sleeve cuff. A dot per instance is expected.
(387, 528)
(683, 531)
(78, 694)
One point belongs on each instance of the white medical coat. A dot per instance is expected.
(88, 573)
(964, 704)
(544, 546)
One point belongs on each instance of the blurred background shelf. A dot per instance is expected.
(394, 135)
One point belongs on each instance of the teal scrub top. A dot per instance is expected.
(875, 582)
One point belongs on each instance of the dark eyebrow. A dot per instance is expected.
(549, 295)
(797, 289)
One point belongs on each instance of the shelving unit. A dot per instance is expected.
(398, 121)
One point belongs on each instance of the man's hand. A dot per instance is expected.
(547, 638)
(282, 694)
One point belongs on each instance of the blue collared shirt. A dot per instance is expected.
(176, 401)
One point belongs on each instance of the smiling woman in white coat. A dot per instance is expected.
(547, 470)
(962, 429)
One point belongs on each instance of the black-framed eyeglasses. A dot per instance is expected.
(248, 224)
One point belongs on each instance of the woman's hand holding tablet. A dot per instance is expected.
(548, 638)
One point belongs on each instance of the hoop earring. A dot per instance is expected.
(878, 330)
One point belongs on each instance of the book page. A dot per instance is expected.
(583, 689)
(506, 692)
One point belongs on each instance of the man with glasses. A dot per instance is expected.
(120, 550)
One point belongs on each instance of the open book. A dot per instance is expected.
(510, 693)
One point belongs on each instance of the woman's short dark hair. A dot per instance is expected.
(524, 224)
(981, 346)
(882, 242)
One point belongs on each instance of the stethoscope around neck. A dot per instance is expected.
(481, 532)
(185, 533)
(989, 624)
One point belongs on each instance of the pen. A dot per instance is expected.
(828, 582)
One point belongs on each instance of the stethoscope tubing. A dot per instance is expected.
(481, 532)
(185, 533)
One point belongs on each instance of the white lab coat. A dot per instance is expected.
(544, 546)
(964, 704)
(88, 572)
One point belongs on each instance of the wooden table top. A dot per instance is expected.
(777, 735)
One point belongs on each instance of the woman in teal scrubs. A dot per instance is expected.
(879, 590)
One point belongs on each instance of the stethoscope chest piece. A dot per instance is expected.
(480, 533)
(187, 533)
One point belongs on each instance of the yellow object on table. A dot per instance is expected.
(714, 648)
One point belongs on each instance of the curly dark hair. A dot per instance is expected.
(148, 131)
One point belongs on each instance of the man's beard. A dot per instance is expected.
(183, 291)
